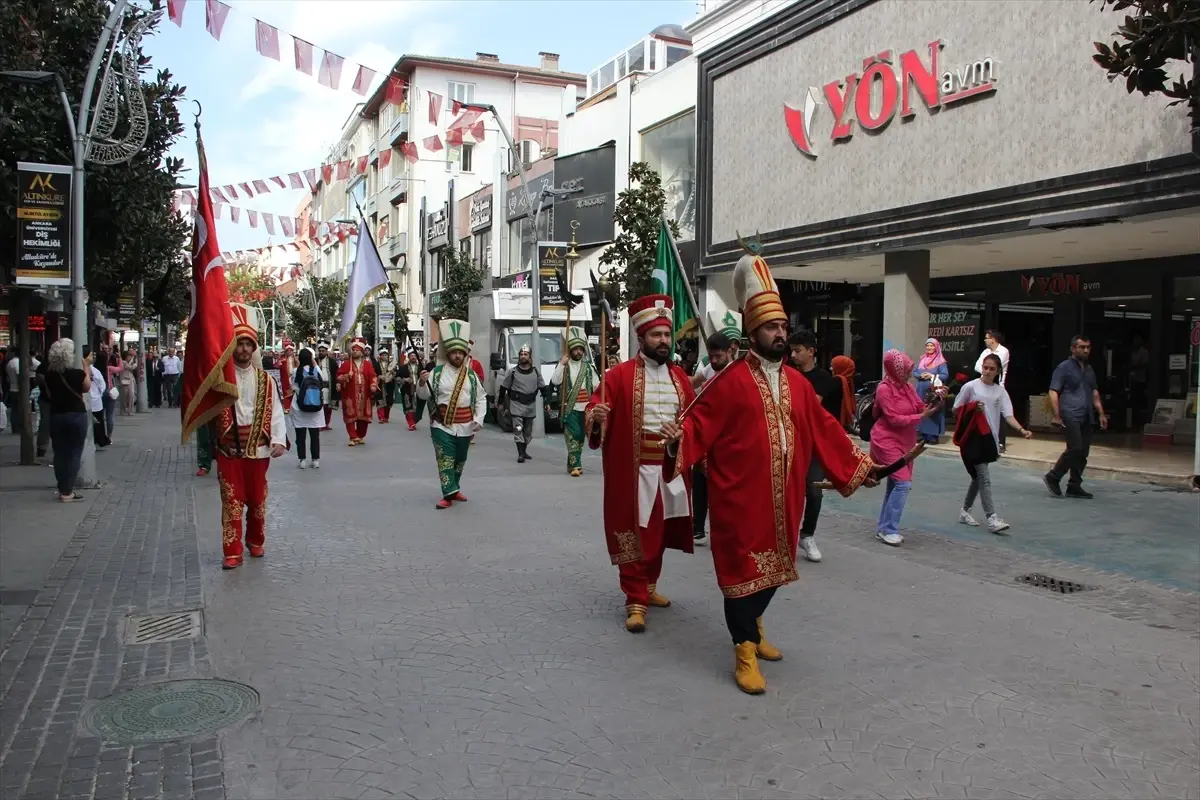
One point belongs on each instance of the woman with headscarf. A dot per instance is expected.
(932, 372)
(842, 368)
(898, 410)
(67, 389)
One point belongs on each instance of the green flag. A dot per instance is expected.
(668, 279)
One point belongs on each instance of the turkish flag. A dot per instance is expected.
(209, 380)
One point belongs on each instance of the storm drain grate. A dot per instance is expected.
(154, 628)
(1053, 584)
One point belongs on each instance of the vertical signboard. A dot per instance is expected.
(385, 319)
(958, 333)
(43, 225)
(126, 310)
(552, 267)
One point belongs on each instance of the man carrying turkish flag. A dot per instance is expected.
(209, 377)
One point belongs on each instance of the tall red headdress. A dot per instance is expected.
(209, 379)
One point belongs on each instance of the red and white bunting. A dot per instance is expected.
(435, 107)
(286, 224)
(175, 11)
(331, 70)
(432, 143)
(266, 39)
(216, 195)
(385, 158)
(394, 93)
(327, 173)
(409, 150)
(246, 189)
(310, 175)
(217, 12)
(234, 213)
(230, 191)
(343, 170)
(269, 222)
(360, 166)
(363, 80)
(279, 180)
(295, 180)
(261, 187)
(304, 55)
(253, 216)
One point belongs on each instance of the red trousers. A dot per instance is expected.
(384, 413)
(357, 430)
(243, 484)
(638, 576)
(328, 416)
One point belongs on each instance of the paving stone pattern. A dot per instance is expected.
(479, 653)
(134, 552)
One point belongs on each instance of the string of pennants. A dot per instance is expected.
(323, 232)
(466, 128)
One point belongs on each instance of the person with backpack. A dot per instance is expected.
(308, 410)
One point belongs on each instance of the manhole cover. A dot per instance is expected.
(165, 712)
(1053, 584)
(153, 628)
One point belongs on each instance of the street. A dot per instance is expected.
(478, 652)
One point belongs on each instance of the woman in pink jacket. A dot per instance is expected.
(898, 410)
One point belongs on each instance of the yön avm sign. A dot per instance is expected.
(886, 87)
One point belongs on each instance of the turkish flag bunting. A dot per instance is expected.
(327, 173)
(217, 12)
(312, 230)
(175, 203)
(295, 180)
(217, 196)
(216, 210)
(246, 189)
(432, 143)
(230, 192)
(310, 175)
(209, 381)
(409, 149)
(286, 224)
(261, 187)
(269, 222)
(175, 11)
(253, 217)
(279, 180)
(454, 136)
(477, 131)
(235, 213)
(466, 119)
(360, 168)
(266, 39)
(385, 158)
(395, 91)
(343, 170)
(435, 108)
(455, 106)
(363, 80)
(304, 55)
(330, 73)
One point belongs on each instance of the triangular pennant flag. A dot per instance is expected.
(330, 73)
(362, 81)
(235, 213)
(269, 222)
(435, 108)
(343, 170)
(286, 224)
(409, 149)
(295, 181)
(217, 12)
(266, 39)
(360, 168)
(432, 143)
(395, 91)
(253, 217)
(385, 158)
(261, 187)
(310, 175)
(304, 55)
(175, 11)
(246, 189)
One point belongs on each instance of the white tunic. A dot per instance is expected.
(445, 387)
(247, 383)
(300, 417)
(774, 370)
(660, 405)
(573, 366)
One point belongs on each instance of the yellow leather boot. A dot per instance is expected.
(745, 669)
(766, 650)
(635, 618)
(656, 599)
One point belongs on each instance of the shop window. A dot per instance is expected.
(462, 92)
(670, 149)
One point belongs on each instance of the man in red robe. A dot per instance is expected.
(287, 368)
(759, 425)
(357, 388)
(643, 513)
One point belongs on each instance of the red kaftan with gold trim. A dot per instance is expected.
(622, 439)
(357, 386)
(756, 493)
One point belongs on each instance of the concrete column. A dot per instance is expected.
(906, 301)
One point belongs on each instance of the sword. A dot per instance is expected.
(890, 469)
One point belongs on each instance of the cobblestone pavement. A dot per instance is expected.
(479, 653)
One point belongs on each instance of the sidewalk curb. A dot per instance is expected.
(1165, 479)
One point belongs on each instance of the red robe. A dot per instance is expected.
(287, 368)
(477, 368)
(758, 494)
(621, 437)
(358, 386)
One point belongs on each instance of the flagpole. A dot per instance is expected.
(391, 288)
(688, 286)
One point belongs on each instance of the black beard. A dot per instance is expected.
(525, 367)
(653, 355)
(773, 352)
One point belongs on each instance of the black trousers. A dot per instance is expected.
(154, 390)
(100, 429)
(699, 499)
(742, 613)
(389, 394)
(314, 434)
(813, 497)
(1074, 459)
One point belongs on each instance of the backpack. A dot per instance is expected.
(308, 395)
(866, 417)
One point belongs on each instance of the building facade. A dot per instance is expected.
(918, 167)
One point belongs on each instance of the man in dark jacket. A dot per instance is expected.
(829, 390)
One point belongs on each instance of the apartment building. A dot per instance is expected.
(410, 204)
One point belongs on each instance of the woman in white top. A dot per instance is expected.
(992, 399)
(96, 404)
(308, 424)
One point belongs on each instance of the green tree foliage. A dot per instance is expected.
(366, 323)
(331, 294)
(131, 233)
(1156, 36)
(463, 278)
(638, 214)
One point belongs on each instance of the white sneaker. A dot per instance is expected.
(894, 539)
(997, 525)
(700, 539)
(301, 464)
(316, 463)
(966, 519)
(811, 551)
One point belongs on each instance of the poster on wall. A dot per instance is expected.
(385, 319)
(43, 225)
(958, 332)
(552, 263)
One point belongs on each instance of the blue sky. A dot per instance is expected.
(263, 118)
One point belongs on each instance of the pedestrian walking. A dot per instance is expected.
(65, 390)
(407, 374)
(521, 387)
(127, 382)
(96, 402)
(993, 344)
(154, 382)
(358, 388)
(308, 412)
(803, 344)
(1075, 399)
(578, 379)
(172, 373)
(843, 370)
(386, 374)
(898, 410)
(328, 366)
(932, 373)
(982, 407)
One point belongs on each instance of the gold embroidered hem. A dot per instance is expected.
(758, 584)
(860, 473)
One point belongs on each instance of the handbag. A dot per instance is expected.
(113, 393)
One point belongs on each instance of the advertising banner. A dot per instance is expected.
(552, 263)
(43, 225)
(958, 332)
(385, 319)
(126, 310)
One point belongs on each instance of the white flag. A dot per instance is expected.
(366, 276)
